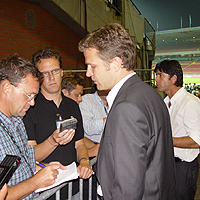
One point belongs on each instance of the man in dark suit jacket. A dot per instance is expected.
(135, 160)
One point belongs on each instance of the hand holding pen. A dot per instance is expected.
(47, 175)
(40, 164)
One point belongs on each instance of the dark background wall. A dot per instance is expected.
(24, 35)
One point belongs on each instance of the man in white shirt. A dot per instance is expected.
(135, 159)
(94, 112)
(184, 110)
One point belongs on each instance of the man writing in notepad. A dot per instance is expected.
(19, 84)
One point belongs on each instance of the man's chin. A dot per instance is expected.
(159, 89)
(100, 87)
(23, 113)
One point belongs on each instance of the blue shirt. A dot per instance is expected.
(93, 111)
(16, 127)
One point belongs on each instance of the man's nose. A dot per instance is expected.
(89, 71)
(80, 99)
(32, 102)
(51, 76)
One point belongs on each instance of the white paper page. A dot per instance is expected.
(64, 175)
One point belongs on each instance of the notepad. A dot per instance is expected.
(64, 175)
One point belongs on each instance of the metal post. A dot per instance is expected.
(70, 191)
(81, 188)
(181, 22)
(190, 21)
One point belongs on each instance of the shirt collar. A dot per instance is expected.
(176, 96)
(114, 91)
(10, 121)
(42, 98)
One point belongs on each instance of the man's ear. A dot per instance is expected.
(174, 79)
(117, 63)
(6, 87)
(61, 73)
(65, 92)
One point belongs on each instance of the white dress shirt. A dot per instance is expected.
(113, 93)
(185, 121)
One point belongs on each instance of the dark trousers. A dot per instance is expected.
(186, 176)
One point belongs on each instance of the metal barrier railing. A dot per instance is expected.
(56, 190)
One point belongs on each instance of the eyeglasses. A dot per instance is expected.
(29, 96)
(54, 72)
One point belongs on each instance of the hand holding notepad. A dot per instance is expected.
(64, 175)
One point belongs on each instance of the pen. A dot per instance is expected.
(40, 164)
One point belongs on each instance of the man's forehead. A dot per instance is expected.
(79, 88)
(28, 81)
(160, 72)
(28, 77)
(47, 62)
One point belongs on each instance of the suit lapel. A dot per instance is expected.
(132, 80)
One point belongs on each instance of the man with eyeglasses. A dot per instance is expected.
(19, 84)
(51, 105)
